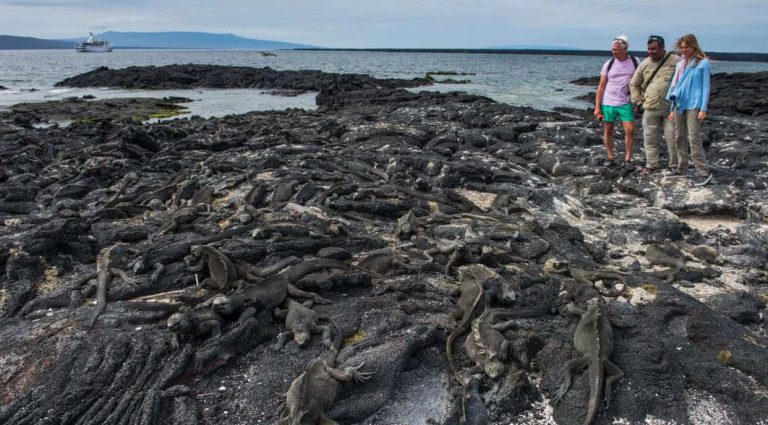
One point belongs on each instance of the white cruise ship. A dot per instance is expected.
(93, 45)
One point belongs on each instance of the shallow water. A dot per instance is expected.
(539, 81)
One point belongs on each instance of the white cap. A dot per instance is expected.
(623, 38)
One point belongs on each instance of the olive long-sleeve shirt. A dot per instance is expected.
(652, 96)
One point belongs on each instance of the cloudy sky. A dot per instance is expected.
(736, 25)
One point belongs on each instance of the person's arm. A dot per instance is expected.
(599, 97)
(705, 87)
(669, 93)
(636, 85)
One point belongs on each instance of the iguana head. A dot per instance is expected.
(301, 338)
(494, 368)
(222, 304)
(119, 252)
(179, 323)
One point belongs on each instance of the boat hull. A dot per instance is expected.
(93, 49)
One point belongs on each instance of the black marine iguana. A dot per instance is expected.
(180, 217)
(194, 323)
(222, 272)
(312, 393)
(106, 261)
(301, 322)
(486, 346)
(593, 339)
(473, 300)
(271, 292)
(589, 276)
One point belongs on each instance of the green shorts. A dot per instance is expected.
(623, 112)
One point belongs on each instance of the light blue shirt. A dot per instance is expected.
(691, 91)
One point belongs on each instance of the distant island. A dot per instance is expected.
(154, 40)
(723, 56)
(12, 42)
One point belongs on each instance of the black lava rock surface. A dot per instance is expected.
(382, 201)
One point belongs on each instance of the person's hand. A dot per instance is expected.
(671, 116)
(599, 114)
(702, 115)
(636, 108)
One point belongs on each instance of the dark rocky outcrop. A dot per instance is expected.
(362, 192)
(219, 76)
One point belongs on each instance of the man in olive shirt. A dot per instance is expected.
(648, 89)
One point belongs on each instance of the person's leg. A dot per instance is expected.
(609, 114)
(694, 140)
(669, 137)
(651, 137)
(629, 139)
(608, 139)
(681, 143)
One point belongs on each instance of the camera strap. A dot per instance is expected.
(647, 83)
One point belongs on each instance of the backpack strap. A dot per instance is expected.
(610, 63)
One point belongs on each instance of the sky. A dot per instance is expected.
(724, 26)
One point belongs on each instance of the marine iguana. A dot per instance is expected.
(593, 339)
(270, 292)
(459, 250)
(127, 179)
(194, 323)
(222, 272)
(469, 409)
(301, 322)
(312, 393)
(106, 263)
(660, 256)
(180, 217)
(474, 298)
(255, 274)
(673, 274)
(486, 346)
(589, 276)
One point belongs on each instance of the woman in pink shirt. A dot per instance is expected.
(613, 102)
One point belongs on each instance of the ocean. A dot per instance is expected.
(540, 81)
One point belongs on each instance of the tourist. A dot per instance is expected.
(612, 101)
(689, 95)
(649, 87)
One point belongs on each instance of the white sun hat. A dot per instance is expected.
(623, 39)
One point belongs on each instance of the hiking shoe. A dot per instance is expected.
(609, 163)
(628, 165)
(671, 172)
(647, 171)
(703, 180)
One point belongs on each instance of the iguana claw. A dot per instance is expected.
(356, 375)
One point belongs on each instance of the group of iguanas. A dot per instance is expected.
(239, 291)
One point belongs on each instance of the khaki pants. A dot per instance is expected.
(688, 132)
(655, 121)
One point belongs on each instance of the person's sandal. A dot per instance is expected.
(647, 171)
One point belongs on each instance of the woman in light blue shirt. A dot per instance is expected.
(689, 96)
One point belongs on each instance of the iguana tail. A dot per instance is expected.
(101, 299)
(596, 379)
(300, 270)
(338, 335)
